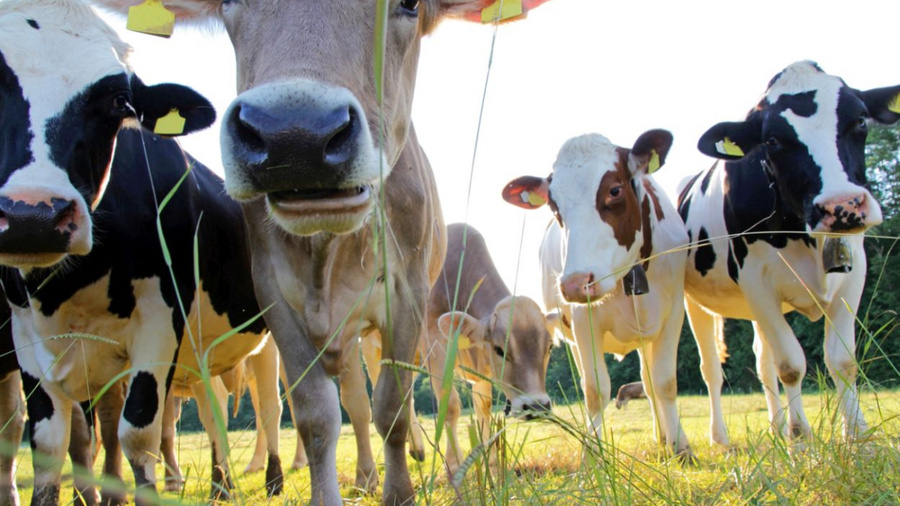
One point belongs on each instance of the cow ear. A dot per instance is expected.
(471, 330)
(183, 10)
(488, 11)
(182, 109)
(730, 140)
(554, 323)
(883, 104)
(650, 150)
(527, 192)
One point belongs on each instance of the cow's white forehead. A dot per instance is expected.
(801, 77)
(72, 45)
(580, 165)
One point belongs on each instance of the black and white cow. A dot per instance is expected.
(794, 172)
(80, 233)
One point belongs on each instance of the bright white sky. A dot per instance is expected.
(576, 66)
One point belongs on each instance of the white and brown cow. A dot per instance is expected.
(794, 174)
(79, 233)
(622, 285)
(345, 226)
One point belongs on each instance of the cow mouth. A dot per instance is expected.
(321, 200)
(30, 260)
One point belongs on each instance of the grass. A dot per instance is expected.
(544, 462)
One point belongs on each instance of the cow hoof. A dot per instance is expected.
(112, 500)
(253, 467)
(47, 495)
(274, 476)
(299, 464)
(399, 493)
(686, 457)
(86, 497)
(367, 482)
(417, 455)
(174, 485)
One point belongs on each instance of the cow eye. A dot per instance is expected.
(615, 191)
(410, 7)
(862, 124)
(772, 143)
(121, 103)
(499, 351)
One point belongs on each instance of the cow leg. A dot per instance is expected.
(482, 401)
(355, 400)
(435, 361)
(49, 421)
(594, 378)
(174, 480)
(82, 455)
(300, 460)
(12, 425)
(258, 460)
(768, 377)
(218, 441)
(790, 362)
(109, 410)
(707, 330)
(391, 391)
(660, 357)
(268, 411)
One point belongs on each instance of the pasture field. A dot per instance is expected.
(556, 462)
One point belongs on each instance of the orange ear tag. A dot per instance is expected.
(151, 17)
(170, 124)
(653, 164)
(497, 12)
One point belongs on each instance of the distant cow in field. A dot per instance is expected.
(614, 264)
(94, 293)
(346, 232)
(794, 174)
(502, 338)
(628, 392)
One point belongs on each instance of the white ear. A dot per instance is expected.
(464, 324)
(556, 326)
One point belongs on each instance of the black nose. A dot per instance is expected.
(295, 147)
(38, 228)
(536, 409)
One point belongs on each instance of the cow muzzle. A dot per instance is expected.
(529, 407)
(848, 213)
(307, 148)
(40, 232)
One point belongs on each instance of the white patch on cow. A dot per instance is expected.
(819, 132)
(591, 245)
(72, 49)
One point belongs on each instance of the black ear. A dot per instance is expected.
(650, 149)
(731, 140)
(154, 102)
(883, 104)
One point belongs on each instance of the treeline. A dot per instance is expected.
(878, 348)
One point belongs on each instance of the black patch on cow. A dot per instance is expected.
(274, 476)
(737, 252)
(15, 129)
(39, 405)
(684, 199)
(34, 24)
(705, 258)
(705, 183)
(81, 136)
(142, 401)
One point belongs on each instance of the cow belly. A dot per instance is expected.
(205, 326)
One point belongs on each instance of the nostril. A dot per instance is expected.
(245, 133)
(339, 145)
(64, 215)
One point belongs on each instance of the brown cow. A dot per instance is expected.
(345, 228)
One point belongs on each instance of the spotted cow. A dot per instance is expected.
(345, 227)
(793, 175)
(613, 263)
(94, 293)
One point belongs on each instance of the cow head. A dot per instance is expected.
(517, 336)
(809, 134)
(65, 90)
(601, 205)
(306, 132)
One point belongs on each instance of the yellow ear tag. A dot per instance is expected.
(463, 343)
(533, 198)
(170, 124)
(151, 17)
(496, 12)
(653, 165)
(726, 147)
(894, 105)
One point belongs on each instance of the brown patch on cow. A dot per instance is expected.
(647, 248)
(620, 211)
(655, 198)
